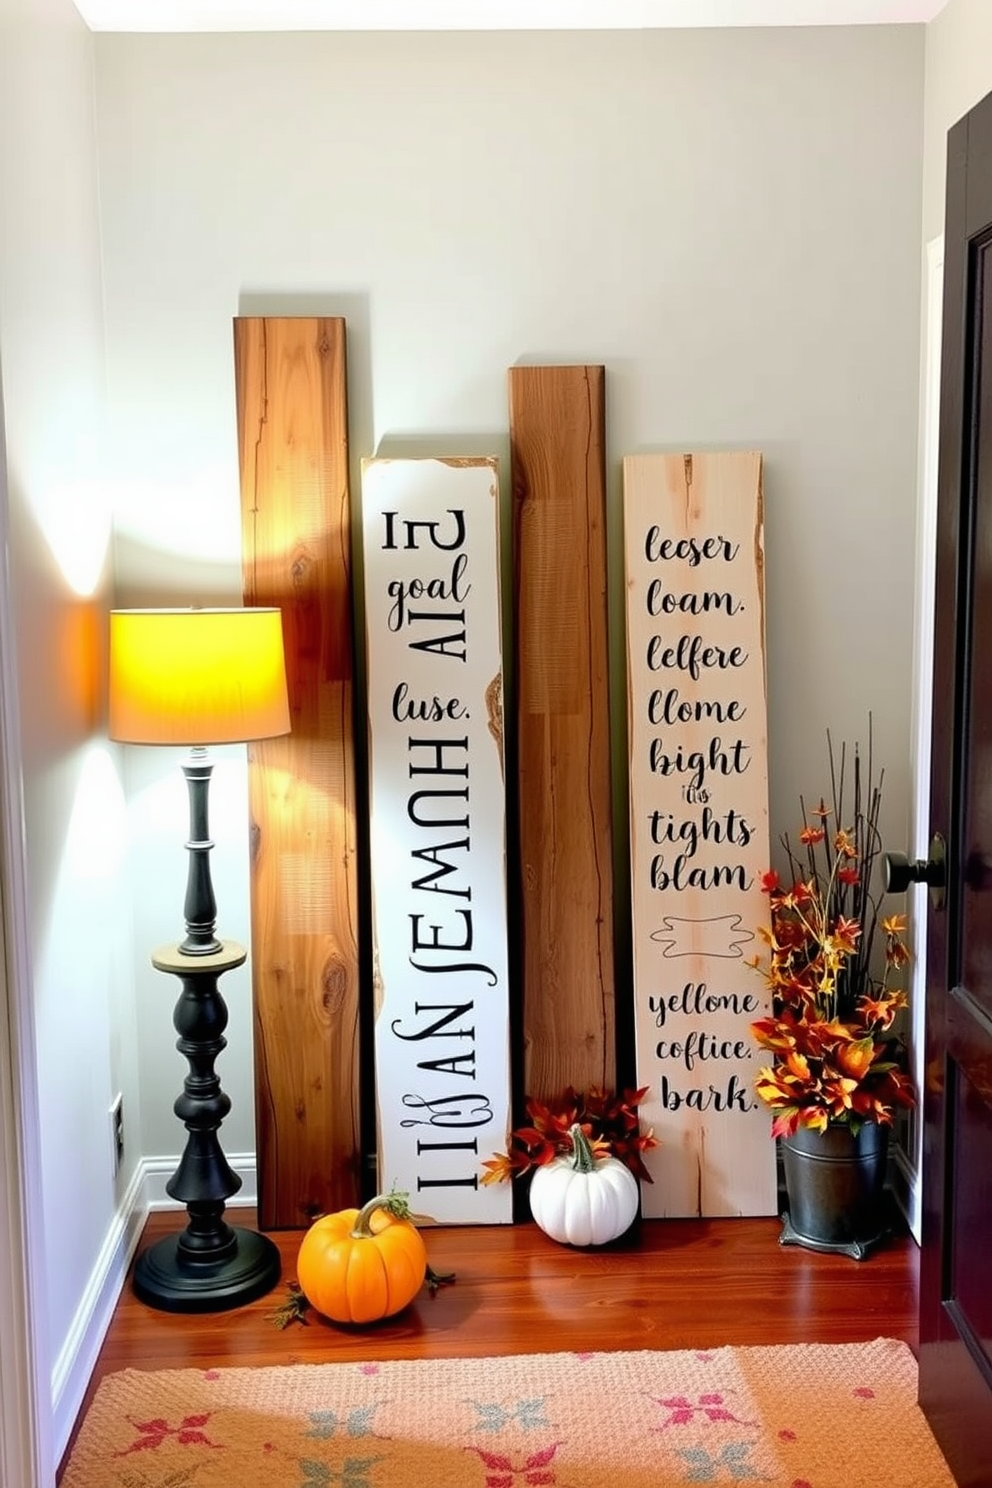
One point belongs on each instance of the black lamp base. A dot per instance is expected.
(165, 1279)
(211, 1265)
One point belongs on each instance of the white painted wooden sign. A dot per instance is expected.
(693, 540)
(438, 831)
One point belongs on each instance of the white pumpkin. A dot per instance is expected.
(579, 1199)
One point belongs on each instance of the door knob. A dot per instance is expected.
(899, 871)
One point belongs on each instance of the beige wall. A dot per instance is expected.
(729, 220)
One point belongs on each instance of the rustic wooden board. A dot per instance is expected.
(693, 541)
(557, 447)
(293, 448)
(438, 831)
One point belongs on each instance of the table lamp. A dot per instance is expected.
(197, 677)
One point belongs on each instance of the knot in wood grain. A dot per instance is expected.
(334, 983)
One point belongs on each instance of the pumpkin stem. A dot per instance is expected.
(396, 1204)
(583, 1159)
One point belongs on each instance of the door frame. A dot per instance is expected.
(909, 1158)
(26, 1449)
(955, 1385)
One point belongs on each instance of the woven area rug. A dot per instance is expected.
(811, 1416)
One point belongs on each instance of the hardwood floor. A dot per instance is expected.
(668, 1284)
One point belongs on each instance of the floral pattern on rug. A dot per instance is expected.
(809, 1416)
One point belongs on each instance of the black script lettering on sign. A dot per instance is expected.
(691, 550)
(716, 758)
(665, 707)
(696, 1001)
(692, 654)
(732, 1097)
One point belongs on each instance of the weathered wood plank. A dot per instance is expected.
(693, 538)
(438, 831)
(557, 446)
(293, 449)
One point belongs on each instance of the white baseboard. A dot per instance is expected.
(156, 1172)
(904, 1178)
(78, 1355)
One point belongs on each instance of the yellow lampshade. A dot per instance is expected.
(197, 677)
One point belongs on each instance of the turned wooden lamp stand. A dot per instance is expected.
(211, 1264)
(209, 676)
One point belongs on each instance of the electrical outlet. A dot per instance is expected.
(117, 1132)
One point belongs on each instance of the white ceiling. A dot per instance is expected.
(490, 15)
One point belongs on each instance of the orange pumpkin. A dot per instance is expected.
(360, 1265)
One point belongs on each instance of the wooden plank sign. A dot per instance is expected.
(558, 468)
(438, 831)
(296, 553)
(693, 542)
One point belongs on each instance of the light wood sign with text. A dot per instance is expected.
(438, 832)
(693, 541)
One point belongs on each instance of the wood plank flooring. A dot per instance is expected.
(668, 1284)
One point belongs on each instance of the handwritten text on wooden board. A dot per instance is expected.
(699, 824)
(438, 831)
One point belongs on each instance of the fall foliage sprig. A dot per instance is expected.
(836, 1058)
(609, 1121)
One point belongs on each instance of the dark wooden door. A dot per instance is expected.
(956, 1274)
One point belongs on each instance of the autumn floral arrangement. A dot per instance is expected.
(832, 965)
(609, 1122)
